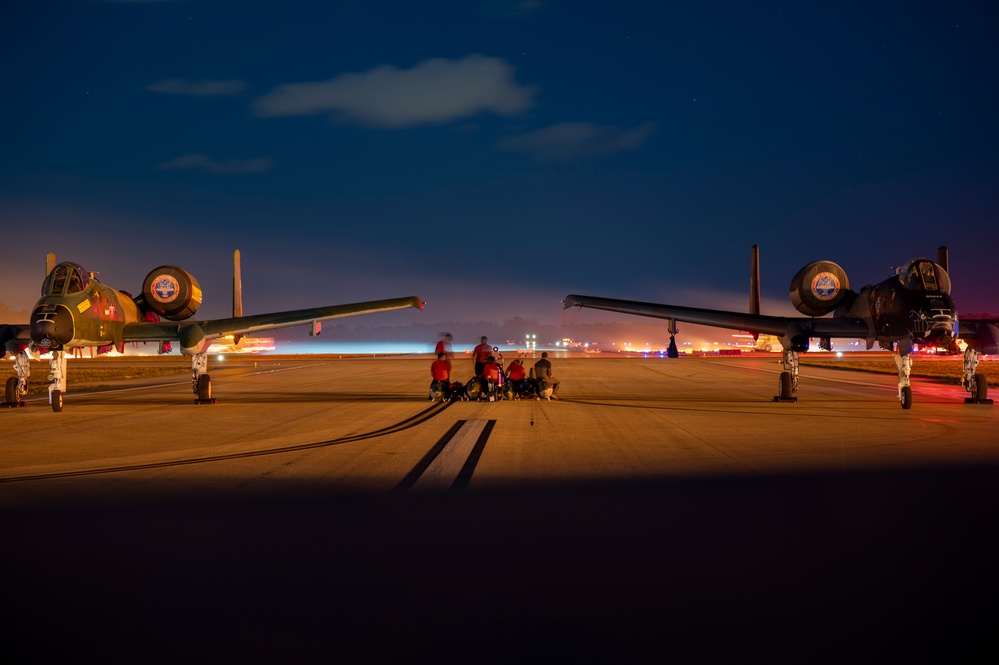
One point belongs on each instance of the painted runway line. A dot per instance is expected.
(449, 465)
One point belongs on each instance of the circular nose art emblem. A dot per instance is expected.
(165, 288)
(825, 286)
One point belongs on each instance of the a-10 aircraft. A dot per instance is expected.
(77, 311)
(912, 307)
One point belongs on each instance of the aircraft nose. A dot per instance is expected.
(943, 325)
(51, 326)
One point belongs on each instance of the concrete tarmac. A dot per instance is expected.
(660, 508)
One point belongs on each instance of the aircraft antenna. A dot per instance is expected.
(50, 263)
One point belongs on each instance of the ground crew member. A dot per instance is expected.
(543, 372)
(479, 355)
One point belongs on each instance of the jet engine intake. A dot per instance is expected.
(819, 288)
(171, 292)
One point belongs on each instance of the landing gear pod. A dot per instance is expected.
(171, 292)
(819, 288)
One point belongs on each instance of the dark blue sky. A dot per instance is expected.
(493, 156)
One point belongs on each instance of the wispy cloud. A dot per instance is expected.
(198, 88)
(517, 9)
(434, 91)
(209, 165)
(569, 140)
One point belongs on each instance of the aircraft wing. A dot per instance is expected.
(244, 325)
(755, 323)
(980, 333)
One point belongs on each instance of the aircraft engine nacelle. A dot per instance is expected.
(819, 288)
(171, 292)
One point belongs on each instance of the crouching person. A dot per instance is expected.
(547, 384)
(440, 372)
(516, 379)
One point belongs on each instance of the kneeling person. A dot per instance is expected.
(440, 370)
(543, 375)
(517, 376)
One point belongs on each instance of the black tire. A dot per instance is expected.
(785, 385)
(906, 397)
(204, 388)
(473, 389)
(11, 396)
(57, 400)
(981, 387)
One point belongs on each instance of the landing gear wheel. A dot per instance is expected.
(980, 395)
(906, 397)
(784, 388)
(981, 388)
(11, 396)
(785, 385)
(205, 390)
(57, 400)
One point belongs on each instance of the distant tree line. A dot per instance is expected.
(467, 333)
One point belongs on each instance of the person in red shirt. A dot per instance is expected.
(480, 354)
(444, 346)
(492, 378)
(517, 371)
(491, 371)
(440, 370)
(517, 377)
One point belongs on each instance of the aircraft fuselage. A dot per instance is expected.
(77, 310)
(913, 307)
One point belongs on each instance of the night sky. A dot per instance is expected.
(492, 157)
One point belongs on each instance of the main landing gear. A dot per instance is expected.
(973, 382)
(201, 382)
(788, 378)
(17, 386)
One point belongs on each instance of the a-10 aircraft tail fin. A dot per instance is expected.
(942, 258)
(754, 280)
(237, 286)
(237, 292)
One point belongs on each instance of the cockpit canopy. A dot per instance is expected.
(924, 275)
(64, 279)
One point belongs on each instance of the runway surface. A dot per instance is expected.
(660, 508)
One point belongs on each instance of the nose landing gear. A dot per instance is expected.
(904, 365)
(57, 375)
(975, 383)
